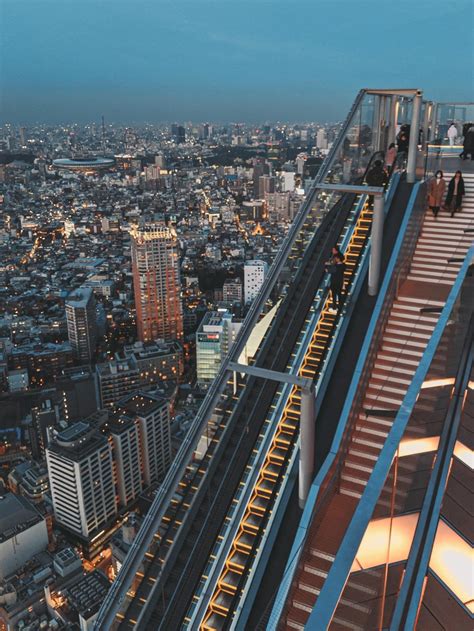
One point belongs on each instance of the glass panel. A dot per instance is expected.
(446, 142)
(357, 147)
(372, 587)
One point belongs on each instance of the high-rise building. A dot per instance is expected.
(266, 184)
(128, 474)
(151, 413)
(115, 379)
(254, 275)
(321, 139)
(43, 418)
(81, 475)
(23, 136)
(178, 133)
(81, 322)
(232, 290)
(215, 336)
(157, 285)
(300, 162)
(260, 167)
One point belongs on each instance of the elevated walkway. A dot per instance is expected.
(440, 251)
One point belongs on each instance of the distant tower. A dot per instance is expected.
(157, 285)
(321, 139)
(81, 322)
(23, 136)
(103, 135)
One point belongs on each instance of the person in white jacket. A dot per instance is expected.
(452, 134)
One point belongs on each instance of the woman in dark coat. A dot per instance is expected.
(456, 191)
(468, 145)
(436, 189)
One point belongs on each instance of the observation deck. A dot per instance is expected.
(201, 559)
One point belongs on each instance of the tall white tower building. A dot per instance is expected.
(321, 139)
(81, 476)
(254, 275)
(81, 322)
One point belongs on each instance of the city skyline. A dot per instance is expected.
(212, 61)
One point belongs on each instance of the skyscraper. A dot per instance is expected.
(81, 322)
(80, 469)
(321, 139)
(126, 441)
(151, 414)
(254, 275)
(157, 285)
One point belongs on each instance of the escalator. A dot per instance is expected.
(193, 521)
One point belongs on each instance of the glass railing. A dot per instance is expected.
(443, 141)
(364, 581)
(346, 162)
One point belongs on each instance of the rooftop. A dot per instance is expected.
(79, 298)
(141, 404)
(16, 515)
(87, 594)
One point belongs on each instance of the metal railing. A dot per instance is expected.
(117, 593)
(337, 577)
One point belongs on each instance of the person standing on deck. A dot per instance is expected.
(436, 189)
(452, 134)
(456, 191)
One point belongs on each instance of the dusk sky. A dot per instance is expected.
(222, 60)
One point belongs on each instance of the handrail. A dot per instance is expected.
(408, 600)
(132, 562)
(336, 579)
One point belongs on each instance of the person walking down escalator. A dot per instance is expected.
(403, 141)
(336, 269)
(456, 191)
(377, 176)
(390, 156)
(436, 189)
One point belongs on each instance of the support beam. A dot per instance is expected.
(392, 125)
(307, 431)
(426, 122)
(351, 188)
(307, 420)
(282, 377)
(413, 143)
(376, 245)
(379, 117)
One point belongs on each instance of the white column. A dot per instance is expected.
(392, 129)
(414, 130)
(376, 245)
(307, 427)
